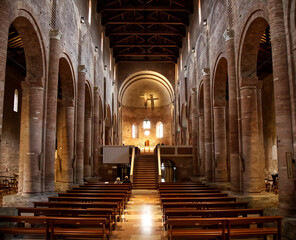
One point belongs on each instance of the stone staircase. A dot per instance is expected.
(145, 172)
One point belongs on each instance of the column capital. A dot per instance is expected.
(228, 34)
(82, 69)
(55, 34)
(193, 91)
(96, 90)
(205, 71)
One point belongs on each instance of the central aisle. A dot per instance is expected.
(142, 219)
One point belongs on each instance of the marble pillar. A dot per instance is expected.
(208, 125)
(220, 143)
(87, 147)
(51, 115)
(252, 164)
(287, 184)
(97, 136)
(233, 112)
(80, 124)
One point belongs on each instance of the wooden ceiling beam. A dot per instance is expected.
(145, 23)
(147, 33)
(147, 8)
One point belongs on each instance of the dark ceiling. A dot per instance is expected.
(145, 30)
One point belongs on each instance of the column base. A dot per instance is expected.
(26, 200)
(64, 186)
(221, 185)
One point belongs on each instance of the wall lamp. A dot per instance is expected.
(82, 20)
(185, 68)
(96, 48)
(193, 50)
(105, 67)
(205, 23)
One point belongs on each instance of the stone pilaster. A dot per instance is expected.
(51, 115)
(193, 95)
(220, 144)
(287, 185)
(87, 147)
(233, 115)
(201, 131)
(80, 124)
(4, 29)
(96, 132)
(208, 125)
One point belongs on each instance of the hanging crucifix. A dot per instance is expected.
(152, 99)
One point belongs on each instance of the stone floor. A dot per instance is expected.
(142, 218)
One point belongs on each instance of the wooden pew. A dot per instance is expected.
(190, 191)
(52, 227)
(107, 191)
(129, 185)
(193, 195)
(213, 213)
(204, 205)
(109, 214)
(199, 199)
(222, 228)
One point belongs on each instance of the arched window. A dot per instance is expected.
(134, 131)
(102, 41)
(89, 12)
(199, 11)
(146, 124)
(15, 101)
(159, 130)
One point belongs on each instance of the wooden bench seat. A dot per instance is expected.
(177, 195)
(52, 227)
(198, 199)
(109, 214)
(224, 228)
(185, 188)
(189, 191)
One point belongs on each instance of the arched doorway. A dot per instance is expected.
(64, 157)
(21, 145)
(220, 110)
(257, 104)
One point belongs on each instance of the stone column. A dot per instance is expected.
(194, 123)
(220, 144)
(4, 29)
(201, 129)
(87, 147)
(51, 115)
(96, 131)
(287, 185)
(253, 165)
(80, 124)
(68, 152)
(32, 165)
(208, 125)
(233, 115)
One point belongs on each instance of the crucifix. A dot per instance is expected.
(152, 99)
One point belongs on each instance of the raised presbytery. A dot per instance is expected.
(148, 119)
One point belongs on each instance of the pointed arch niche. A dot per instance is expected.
(146, 95)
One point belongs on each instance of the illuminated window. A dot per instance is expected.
(102, 40)
(147, 133)
(146, 124)
(188, 36)
(15, 101)
(134, 131)
(199, 11)
(181, 62)
(159, 130)
(89, 12)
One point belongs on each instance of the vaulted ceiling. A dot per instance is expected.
(145, 30)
